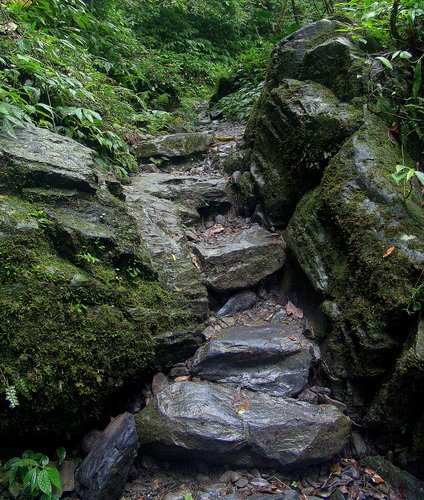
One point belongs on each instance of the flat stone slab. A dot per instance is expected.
(173, 145)
(270, 359)
(241, 260)
(201, 420)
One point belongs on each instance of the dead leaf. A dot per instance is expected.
(184, 378)
(196, 261)
(389, 252)
(243, 407)
(293, 337)
(216, 229)
(369, 471)
(344, 489)
(376, 479)
(336, 470)
(291, 309)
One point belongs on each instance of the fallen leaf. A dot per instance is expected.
(369, 471)
(216, 229)
(293, 337)
(196, 262)
(336, 470)
(243, 407)
(389, 252)
(291, 309)
(344, 489)
(184, 378)
(174, 258)
(376, 479)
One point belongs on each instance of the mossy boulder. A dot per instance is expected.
(321, 164)
(80, 304)
(341, 234)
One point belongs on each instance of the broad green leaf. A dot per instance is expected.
(410, 173)
(420, 176)
(54, 476)
(44, 482)
(61, 454)
(405, 55)
(26, 462)
(30, 478)
(385, 61)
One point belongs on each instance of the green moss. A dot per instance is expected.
(71, 333)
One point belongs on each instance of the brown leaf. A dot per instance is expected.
(293, 310)
(184, 378)
(293, 337)
(389, 252)
(376, 479)
(369, 471)
(336, 470)
(242, 407)
(216, 229)
(344, 489)
(196, 261)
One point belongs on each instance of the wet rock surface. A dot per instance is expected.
(240, 260)
(270, 359)
(191, 418)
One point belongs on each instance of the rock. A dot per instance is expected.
(88, 441)
(220, 219)
(240, 260)
(173, 146)
(242, 482)
(159, 220)
(159, 383)
(240, 302)
(190, 420)
(82, 281)
(103, 473)
(179, 370)
(263, 359)
(400, 480)
(38, 158)
(359, 446)
(229, 476)
(67, 478)
(307, 124)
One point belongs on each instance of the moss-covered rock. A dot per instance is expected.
(80, 304)
(340, 234)
(321, 162)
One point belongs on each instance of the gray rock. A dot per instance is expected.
(159, 383)
(240, 302)
(67, 478)
(360, 448)
(173, 146)
(229, 476)
(40, 158)
(190, 420)
(411, 487)
(103, 473)
(242, 482)
(262, 359)
(240, 260)
(159, 221)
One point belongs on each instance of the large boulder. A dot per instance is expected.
(321, 163)
(80, 303)
(275, 360)
(304, 114)
(192, 419)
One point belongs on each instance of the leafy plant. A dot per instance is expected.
(32, 475)
(406, 175)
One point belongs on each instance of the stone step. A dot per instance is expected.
(275, 360)
(240, 260)
(204, 420)
(173, 145)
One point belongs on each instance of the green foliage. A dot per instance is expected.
(32, 475)
(405, 175)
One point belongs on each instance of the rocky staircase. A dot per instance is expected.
(243, 400)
